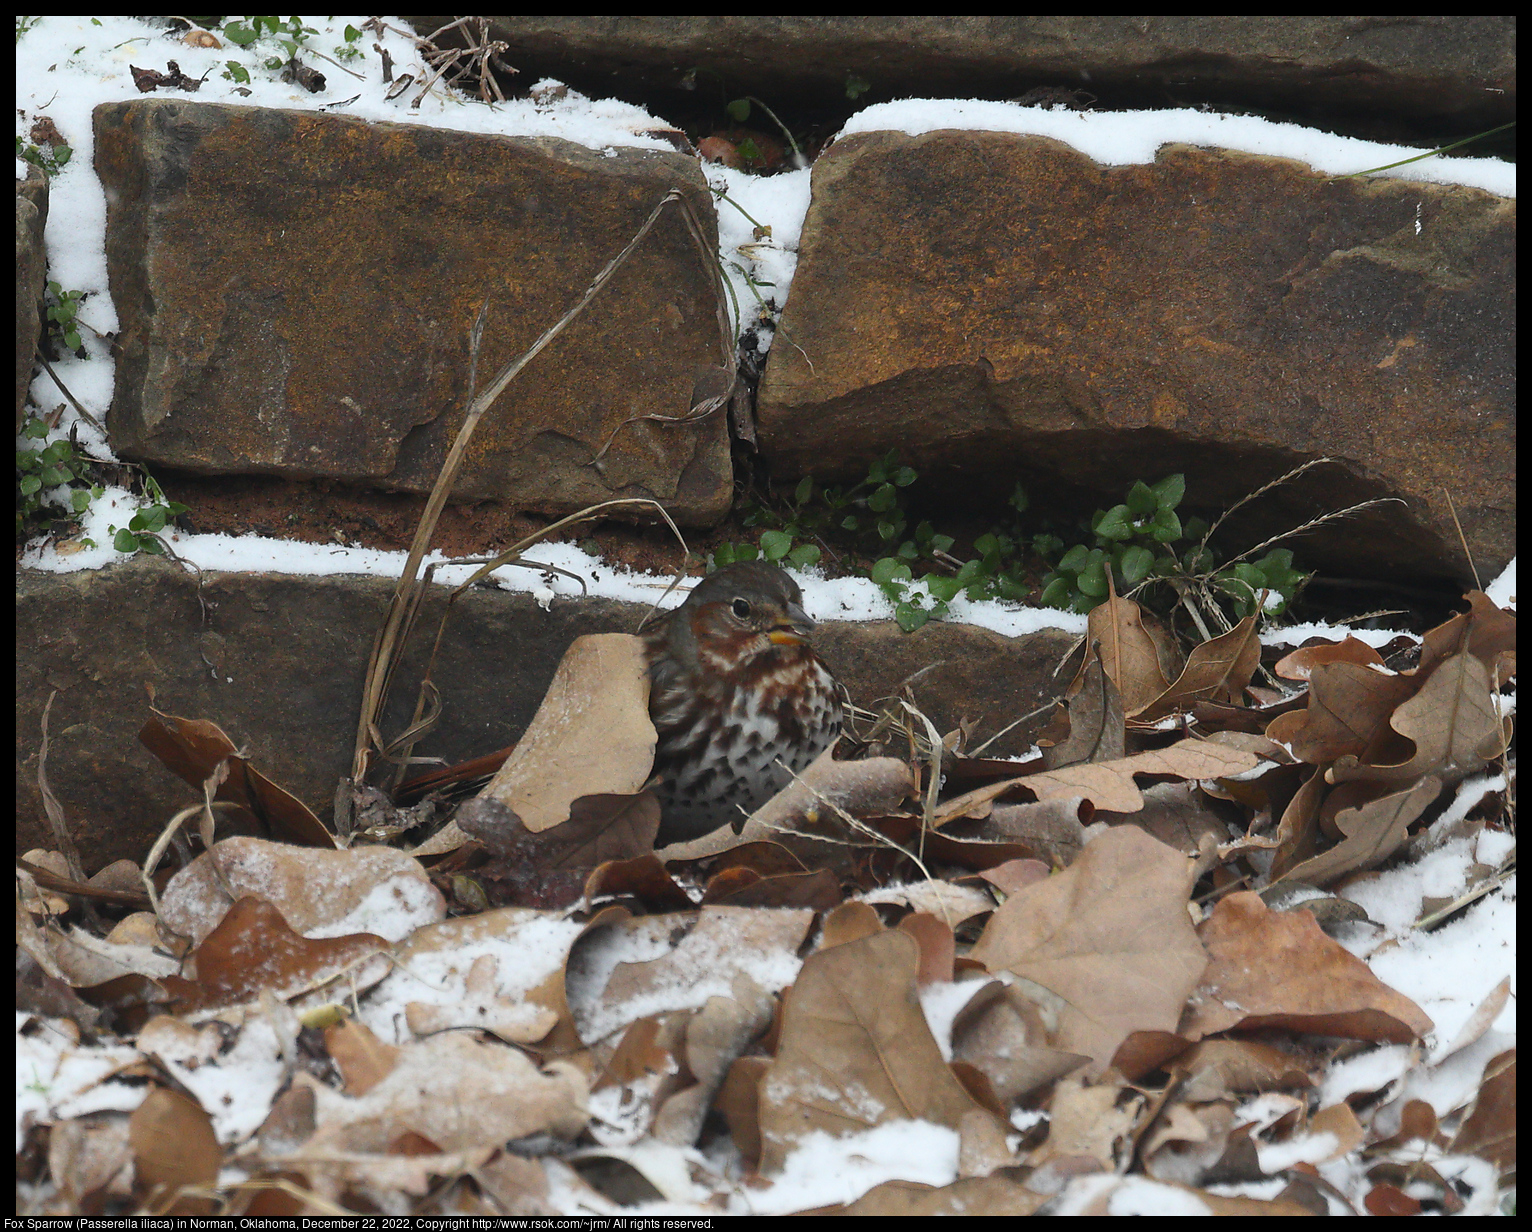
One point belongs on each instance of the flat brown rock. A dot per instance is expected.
(277, 662)
(296, 290)
(1000, 306)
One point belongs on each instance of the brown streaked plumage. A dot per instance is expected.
(736, 689)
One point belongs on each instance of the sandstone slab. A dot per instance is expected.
(296, 291)
(1368, 70)
(999, 307)
(277, 661)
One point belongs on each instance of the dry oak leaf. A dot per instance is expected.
(1109, 937)
(1129, 652)
(253, 951)
(174, 1147)
(1109, 784)
(500, 970)
(455, 1092)
(192, 750)
(1090, 1121)
(855, 1050)
(319, 893)
(697, 956)
(1278, 969)
(1453, 721)
(1348, 706)
(1374, 831)
(1300, 664)
(1217, 670)
(1002, 1034)
(1489, 1130)
(590, 736)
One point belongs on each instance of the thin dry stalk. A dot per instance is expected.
(1463, 539)
(389, 641)
(399, 749)
(51, 807)
(855, 823)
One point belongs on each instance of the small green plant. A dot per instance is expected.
(739, 112)
(23, 24)
(142, 533)
(287, 34)
(50, 156)
(1137, 541)
(350, 50)
(856, 86)
(63, 312)
(40, 468)
(1142, 543)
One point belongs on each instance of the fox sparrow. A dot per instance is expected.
(738, 697)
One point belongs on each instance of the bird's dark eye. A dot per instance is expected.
(741, 608)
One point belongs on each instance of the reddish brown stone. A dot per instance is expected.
(999, 306)
(296, 290)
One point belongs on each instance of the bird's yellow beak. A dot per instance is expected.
(794, 630)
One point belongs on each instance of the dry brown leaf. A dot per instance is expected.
(1277, 969)
(643, 877)
(1489, 1130)
(1093, 716)
(1300, 664)
(1218, 670)
(192, 749)
(1052, 830)
(174, 1148)
(1109, 785)
(590, 736)
(520, 1001)
(1453, 721)
(950, 903)
(1373, 833)
(91, 1161)
(1187, 1141)
(361, 1057)
(86, 961)
(739, 1101)
(1129, 652)
(867, 788)
(1349, 704)
(1015, 875)
(170, 1039)
(253, 950)
(1485, 631)
(1478, 1022)
(715, 1037)
(855, 1050)
(851, 921)
(1298, 831)
(1109, 936)
(700, 955)
(1214, 1068)
(1002, 1035)
(453, 1091)
(938, 947)
(362, 889)
(1089, 1121)
(819, 891)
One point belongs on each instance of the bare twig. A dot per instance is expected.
(1463, 539)
(405, 598)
